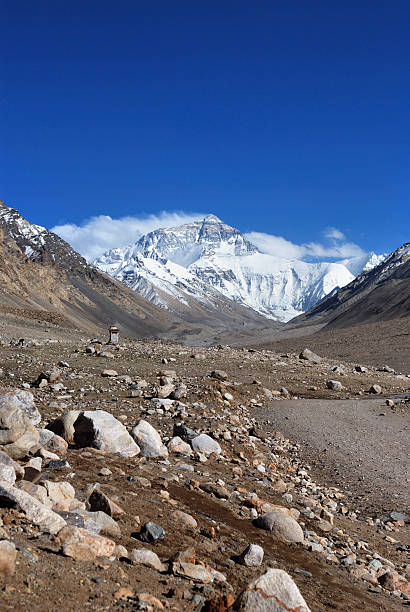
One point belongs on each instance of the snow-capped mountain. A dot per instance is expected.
(39, 270)
(207, 258)
(379, 294)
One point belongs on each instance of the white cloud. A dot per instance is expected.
(332, 233)
(99, 234)
(280, 247)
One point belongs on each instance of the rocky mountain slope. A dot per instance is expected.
(206, 259)
(39, 270)
(380, 294)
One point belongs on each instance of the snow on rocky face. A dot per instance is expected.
(204, 258)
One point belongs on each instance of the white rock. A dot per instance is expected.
(206, 445)
(34, 510)
(147, 557)
(148, 440)
(274, 591)
(252, 556)
(95, 428)
(281, 524)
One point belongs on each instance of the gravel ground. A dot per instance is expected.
(360, 445)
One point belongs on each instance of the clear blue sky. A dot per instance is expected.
(279, 117)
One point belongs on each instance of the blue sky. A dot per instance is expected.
(282, 118)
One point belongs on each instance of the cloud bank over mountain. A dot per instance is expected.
(99, 234)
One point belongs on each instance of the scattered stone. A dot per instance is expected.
(147, 557)
(308, 355)
(8, 556)
(176, 446)
(392, 581)
(148, 440)
(376, 389)
(150, 532)
(23, 400)
(109, 373)
(206, 445)
(282, 525)
(18, 437)
(252, 556)
(184, 519)
(82, 545)
(35, 511)
(219, 375)
(335, 385)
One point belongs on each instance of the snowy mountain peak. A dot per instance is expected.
(205, 258)
(212, 219)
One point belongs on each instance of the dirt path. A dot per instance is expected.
(361, 446)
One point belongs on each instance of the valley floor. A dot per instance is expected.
(310, 449)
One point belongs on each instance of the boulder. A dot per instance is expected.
(309, 355)
(335, 385)
(97, 429)
(274, 591)
(150, 532)
(61, 494)
(376, 389)
(23, 400)
(282, 525)
(82, 545)
(18, 437)
(148, 440)
(206, 445)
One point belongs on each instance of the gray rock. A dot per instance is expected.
(375, 389)
(148, 440)
(398, 516)
(185, 433)
(219, 375)
(252, 556)
(309, 355)
(282, 525)
(147, 557)
(151, 532)
(23, 400)
(274, 591)
(335, 385)
(79, 520)
(206, 445)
